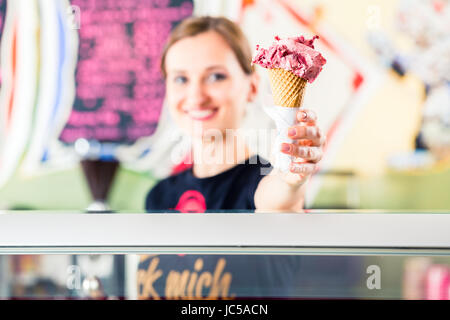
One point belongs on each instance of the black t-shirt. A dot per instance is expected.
(233, 189)
(214, 276)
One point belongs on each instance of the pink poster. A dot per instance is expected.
(120, 89)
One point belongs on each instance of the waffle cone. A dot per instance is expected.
(288, 89)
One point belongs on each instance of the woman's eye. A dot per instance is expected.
(216, 77)
(180, 79)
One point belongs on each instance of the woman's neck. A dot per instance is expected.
(214, 155)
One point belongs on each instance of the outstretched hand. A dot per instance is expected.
(307, 147)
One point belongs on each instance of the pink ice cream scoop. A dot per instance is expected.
(293, 54)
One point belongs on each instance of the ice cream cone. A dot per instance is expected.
(288, 89)
(291, 63)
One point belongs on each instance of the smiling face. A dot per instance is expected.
(206, 86)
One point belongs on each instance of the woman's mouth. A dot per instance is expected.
(203, 114)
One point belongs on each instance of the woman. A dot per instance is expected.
(209, 79)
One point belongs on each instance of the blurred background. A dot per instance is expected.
(81, 104)
(83, 123)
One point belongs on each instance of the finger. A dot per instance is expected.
(311, 143)
(312, 154)
(304, 143)
(308, 116)
(313, 133)
(303, 169)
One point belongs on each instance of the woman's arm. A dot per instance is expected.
(286, 191)
(274, 193)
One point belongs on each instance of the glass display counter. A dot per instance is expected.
(313, 254)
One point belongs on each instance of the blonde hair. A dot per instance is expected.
(227, 29)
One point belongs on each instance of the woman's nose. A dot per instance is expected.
(196, 96)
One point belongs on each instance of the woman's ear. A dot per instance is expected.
(254, 86)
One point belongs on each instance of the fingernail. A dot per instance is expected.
(304, 115)
(285, 147)
(292, 132)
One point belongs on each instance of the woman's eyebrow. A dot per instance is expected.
(177, 71)
(215, 67)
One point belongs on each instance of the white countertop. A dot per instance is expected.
(276, 233)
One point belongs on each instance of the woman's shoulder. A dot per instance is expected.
(247, 170)
(258, 163)
(258, 160)
(254, 170)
